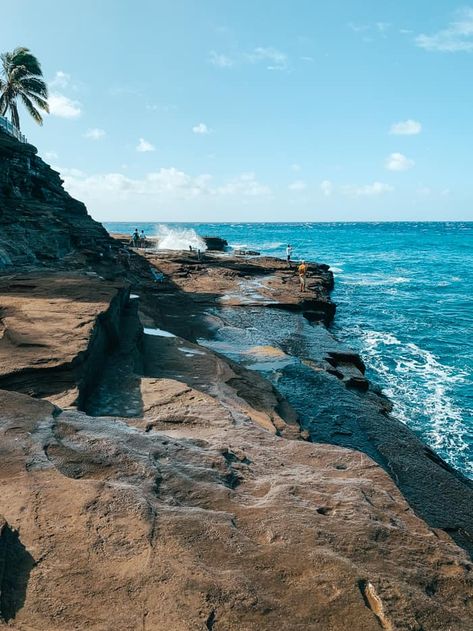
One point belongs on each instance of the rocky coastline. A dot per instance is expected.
(149, 481)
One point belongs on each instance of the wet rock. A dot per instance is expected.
(215, 243)
(358, 383)
(335, 358)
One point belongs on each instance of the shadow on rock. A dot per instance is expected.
(16, 564)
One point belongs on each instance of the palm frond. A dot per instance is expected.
(6, 62)
(23, 57)
(40, 102)
(35, 115)
(36, 85)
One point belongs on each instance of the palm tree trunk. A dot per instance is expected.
(15, 119)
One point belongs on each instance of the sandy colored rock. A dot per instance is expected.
(228, 524)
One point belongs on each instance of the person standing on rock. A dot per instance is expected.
(135, 239)
(302, 269)
(142, 239)
(288, 254)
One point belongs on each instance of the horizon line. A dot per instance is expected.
(223, 223)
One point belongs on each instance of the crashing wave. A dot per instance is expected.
(179, 239)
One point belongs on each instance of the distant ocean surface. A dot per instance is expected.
(405, 301)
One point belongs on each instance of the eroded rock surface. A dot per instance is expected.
(220, 521)
(149, 483)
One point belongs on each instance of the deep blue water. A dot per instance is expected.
(405, 301)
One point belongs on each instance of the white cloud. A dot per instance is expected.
(51, 155)
(219, 60)
(456, 37)
(71, 173)
(408, 127)
(95, 133)
(368, 190)
(167, 184)
(245, 184)
(398, 162)
(298, 185)
(201, 128)
(144, 146)
(295, 167)
(378, 27)
(326, 186)
(275, 59)
(61, 80)
(62, 106)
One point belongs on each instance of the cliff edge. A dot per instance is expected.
(39, 222)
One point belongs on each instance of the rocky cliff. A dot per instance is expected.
(149, 483)
(39, 221)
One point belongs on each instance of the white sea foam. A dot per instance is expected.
(335, 269)
(419, 386)
(158, 332)
(272, 245)
(374, 281)
(179, 239)
(190, 351)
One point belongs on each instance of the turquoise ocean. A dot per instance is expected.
(404, 294)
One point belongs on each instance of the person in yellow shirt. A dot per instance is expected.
(302, 269)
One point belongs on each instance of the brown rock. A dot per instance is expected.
(228, 523)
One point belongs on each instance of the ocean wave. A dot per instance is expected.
(272, 245)
(366, 281)
(178, 239)
(238, 246)
(419, 386)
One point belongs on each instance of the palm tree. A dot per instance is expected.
(21, 77)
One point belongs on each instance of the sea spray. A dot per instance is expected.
(178, 239)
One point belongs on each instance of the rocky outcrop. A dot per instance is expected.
(235, 281)
(216, 244)
(55, 331)
(39, 221)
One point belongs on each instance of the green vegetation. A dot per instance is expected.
(21, 78)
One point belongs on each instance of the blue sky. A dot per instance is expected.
(224, 110)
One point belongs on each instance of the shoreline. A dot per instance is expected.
(168, 485)
(365, 424)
